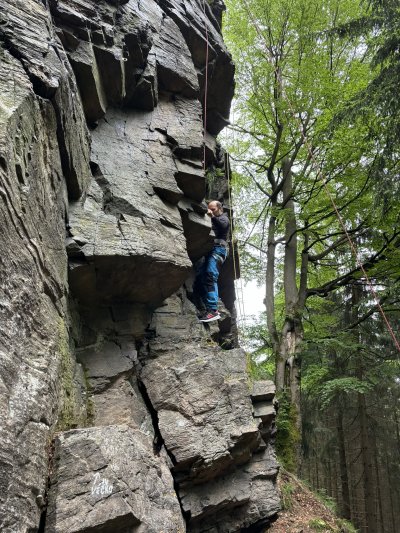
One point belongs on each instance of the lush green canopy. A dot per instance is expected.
(315, 138)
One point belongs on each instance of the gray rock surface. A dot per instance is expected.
(225, 470)
(109, 367)
(102, 213)
(192, 20)
(29, 36)
(33, 279)
(244, 498)
(204, 412)
(263, 391)
(108, 479)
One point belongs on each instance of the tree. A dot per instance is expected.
(294, 74)
(350, 385)
(379, 101)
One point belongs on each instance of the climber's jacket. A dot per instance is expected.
(220, 226)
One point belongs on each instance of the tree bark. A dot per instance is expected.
(366, 451)
(269, 284)
(290, 259)
(344, 480)
(288, 354)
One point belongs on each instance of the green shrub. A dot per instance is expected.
(317, 524)
(346, 526)
(287, 491)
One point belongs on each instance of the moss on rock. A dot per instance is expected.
(72, 412)
(287, 438)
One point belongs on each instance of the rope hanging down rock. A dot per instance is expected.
(205, 87)
(236, 267)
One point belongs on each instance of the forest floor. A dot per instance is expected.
(303, 511)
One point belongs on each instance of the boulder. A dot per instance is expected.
(204, 411)
(244, 498)
(108, 479)
(265, 411)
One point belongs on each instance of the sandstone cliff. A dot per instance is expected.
(119, 411)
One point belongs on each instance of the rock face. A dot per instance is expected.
(108, 479)
(223, 462)
(119, 411)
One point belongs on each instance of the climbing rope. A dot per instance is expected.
(321, 177)
(205, 87)
(236, 268)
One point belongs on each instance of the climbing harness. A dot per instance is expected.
(321, 176)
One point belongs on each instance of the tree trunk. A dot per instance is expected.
(288, 354)
(344, 480)
(392, 504)
(367, 460)
(380, 520)
(269, 283)
(366, 451)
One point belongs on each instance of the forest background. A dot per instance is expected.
(314, 143)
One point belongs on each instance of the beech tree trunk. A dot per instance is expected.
(287, 343)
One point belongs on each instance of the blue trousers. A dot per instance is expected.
(206, 284)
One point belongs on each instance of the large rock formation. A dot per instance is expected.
(118, 409)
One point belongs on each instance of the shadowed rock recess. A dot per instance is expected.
(119, 411)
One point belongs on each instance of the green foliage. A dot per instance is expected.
(299, 70)
(287, 491)
(316, 384)
(345, 526)
(317, 524)
(288, 436)
(262, 371)
(213, 177)
(260, 359)
(340, 526)
(313, 381)
(347, 385)
(326, 500)
(379, 103)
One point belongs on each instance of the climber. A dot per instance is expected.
(206, 283)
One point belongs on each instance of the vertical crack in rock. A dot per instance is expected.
(222, 467)
(159, 443)
(43, 501)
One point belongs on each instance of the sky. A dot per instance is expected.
(253, 297)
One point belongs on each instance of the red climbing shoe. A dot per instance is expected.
(210, 316)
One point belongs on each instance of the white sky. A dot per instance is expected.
(253, 297)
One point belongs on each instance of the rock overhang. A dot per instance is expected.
(125, 260)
